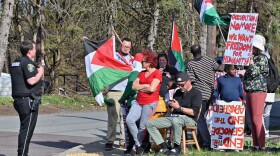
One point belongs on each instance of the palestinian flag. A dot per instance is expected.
(102, 68)
(175, 55)
(208, 13)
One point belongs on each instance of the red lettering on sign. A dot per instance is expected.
(233, 60)
(236, 142)
(237, 131)
(228, 109)
(251, 27)
(233, 120)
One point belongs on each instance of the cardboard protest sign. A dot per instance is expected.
(228, 125)
(242, 29)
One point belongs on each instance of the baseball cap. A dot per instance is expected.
(259, 42)
(182, 77)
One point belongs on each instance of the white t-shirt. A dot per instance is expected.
(121, 85)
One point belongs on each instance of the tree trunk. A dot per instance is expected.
(203, 39)
(153, 27)
(211, 38)
(5, 25)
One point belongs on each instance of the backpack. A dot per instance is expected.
(273, 78)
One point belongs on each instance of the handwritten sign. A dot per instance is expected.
(242, 29)
(228, 125)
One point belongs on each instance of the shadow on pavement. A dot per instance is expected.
(99, 147)
(63, 144)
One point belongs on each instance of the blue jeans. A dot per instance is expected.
(203, 132)
(142, 112)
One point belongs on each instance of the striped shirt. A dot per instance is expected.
(201, 71)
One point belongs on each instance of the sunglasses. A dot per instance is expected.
(181, 85)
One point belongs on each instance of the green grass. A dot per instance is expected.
(75, 102)
(194, 152)
(6, 100)
(68, 102)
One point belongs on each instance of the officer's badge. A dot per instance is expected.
(30, 67)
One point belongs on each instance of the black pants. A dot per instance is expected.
(28, 120)
(203, 132)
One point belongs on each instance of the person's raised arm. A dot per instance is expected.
(37, 77)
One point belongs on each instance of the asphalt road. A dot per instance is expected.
(54, 133)
(58, 134)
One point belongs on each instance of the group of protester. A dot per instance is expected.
(135, 100)
(152, 77)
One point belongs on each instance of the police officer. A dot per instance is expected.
(26, 91)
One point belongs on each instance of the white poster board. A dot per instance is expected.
(228, 121)
(242, 29)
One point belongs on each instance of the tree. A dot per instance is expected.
(5, 25)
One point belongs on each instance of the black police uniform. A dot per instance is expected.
(23, 93)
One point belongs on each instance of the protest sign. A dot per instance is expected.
(239, 41)
(228, 125)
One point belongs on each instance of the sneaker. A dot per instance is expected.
(262, 149)
(175, 151)
(266, 135)
(163, 151)
(108, 146)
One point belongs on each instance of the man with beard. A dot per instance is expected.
(113, 106)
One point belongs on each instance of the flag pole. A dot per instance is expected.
(119, 39)
(117, 35)
(220, 30)
(173, 19)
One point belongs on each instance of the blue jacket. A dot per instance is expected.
(229, 88)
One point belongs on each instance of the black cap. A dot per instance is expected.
(182, 77)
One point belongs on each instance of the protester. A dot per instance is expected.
(201, 70)
(113, 107)
(255, 86)
(128, 96)
(164, 66)
(229, 86)
(168, 73)
(186, 104)
(26, 90)
(148, 84)
(273, 79)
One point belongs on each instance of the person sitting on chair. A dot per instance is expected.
(186, 106)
